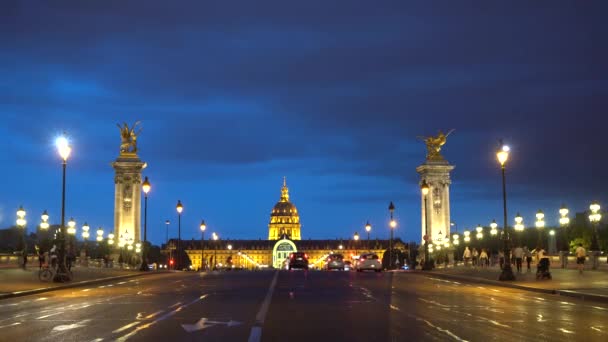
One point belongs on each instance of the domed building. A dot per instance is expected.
(284, 218)
(284, 238)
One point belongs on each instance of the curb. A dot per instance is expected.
(72, 285)
(565, 293)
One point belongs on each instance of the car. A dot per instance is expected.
(335, 262)
(369, 262)
(298, 260)
(348, 266)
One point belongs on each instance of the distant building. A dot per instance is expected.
(284, 238)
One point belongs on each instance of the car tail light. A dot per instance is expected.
(291, 256)
(362, 259)
(305, 256)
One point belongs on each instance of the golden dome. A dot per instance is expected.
(284, 217)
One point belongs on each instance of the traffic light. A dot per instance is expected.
(171, 263)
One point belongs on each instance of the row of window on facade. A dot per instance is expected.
(284, 220)
(291, 211)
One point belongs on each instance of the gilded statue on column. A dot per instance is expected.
(434, 144)
(128, 138)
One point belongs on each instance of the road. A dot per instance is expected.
(302, 306)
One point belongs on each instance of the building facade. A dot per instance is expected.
(284, 238)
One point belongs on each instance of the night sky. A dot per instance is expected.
(331, 94)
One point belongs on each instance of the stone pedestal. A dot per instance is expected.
(127, 198)
(436, 173)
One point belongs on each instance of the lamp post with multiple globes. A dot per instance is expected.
(145, 186)
(564, 221)
(215, 237)
(594, 218)
(507, 272)
(85, 237)
(540, 224)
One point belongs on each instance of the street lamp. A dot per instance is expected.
(45, 220)
(493, 226)
(424, 188)
(455, 239)
(110, 239)
(479, 230)
(21, 222)
(356, 238)
(230, 256)
(145, 186)
(63, 147)
(340, 247)
(519, 225)
(540, 224)
(467, 236)
(215, 237)
(72, 226)
(99, 234)
(595, 218)
(179, 207)
(507, 273)
(368, 229)
(393, 225)
(85, 237)
(564, 221)
(203, 228)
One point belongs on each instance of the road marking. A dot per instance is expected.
(49, 315)
(154, 314)
(566, 331)
(161, 318)
(394, 307)
(174, 305)
(256, 330)
(71, 326)
(125, 327)
(205, 323)
(43, 298)
(596, 329)
(86, 290)
(97, 340)
(10, 325)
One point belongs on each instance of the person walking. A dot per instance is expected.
(581, 255)
(518, 252)
(483, 258)
(466, 255)
(528, 256)
(475, 256)
(501, 258)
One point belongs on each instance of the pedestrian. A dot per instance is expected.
(466, 255)
(483, 258)
(528, 255)
(53, 254)
(69, 258)
(518, 252)
(475, 256)
(40, 259)
(581, 255)
(24, 259)
(501, 258)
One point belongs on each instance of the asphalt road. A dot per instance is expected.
(302, 306)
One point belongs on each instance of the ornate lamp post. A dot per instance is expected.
(179, 207)
(540, 224)
(44, 225)
(479, 230)
(507, 273)
(99, 234)
(467, 236)
(595, 218)
(564, 221)
(145, 186)
(203, 228)
(356, 238)
(428, 265)
(493, 226)
(519, 225)
(64, 149)
(230, 256)
(21, 222)
(368, 229)
(85, 236)
(393, 224)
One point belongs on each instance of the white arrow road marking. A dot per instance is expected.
(205, 323)
(71, 326)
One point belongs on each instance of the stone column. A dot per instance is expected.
(436, 173)
(127, 197)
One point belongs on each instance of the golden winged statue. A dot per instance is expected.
(128, 138)
(433, 145)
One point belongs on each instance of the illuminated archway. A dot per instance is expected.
(281, 252)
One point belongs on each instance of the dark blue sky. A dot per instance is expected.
(234, 96)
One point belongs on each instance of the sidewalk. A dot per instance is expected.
(16, 282)
(591, 285)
